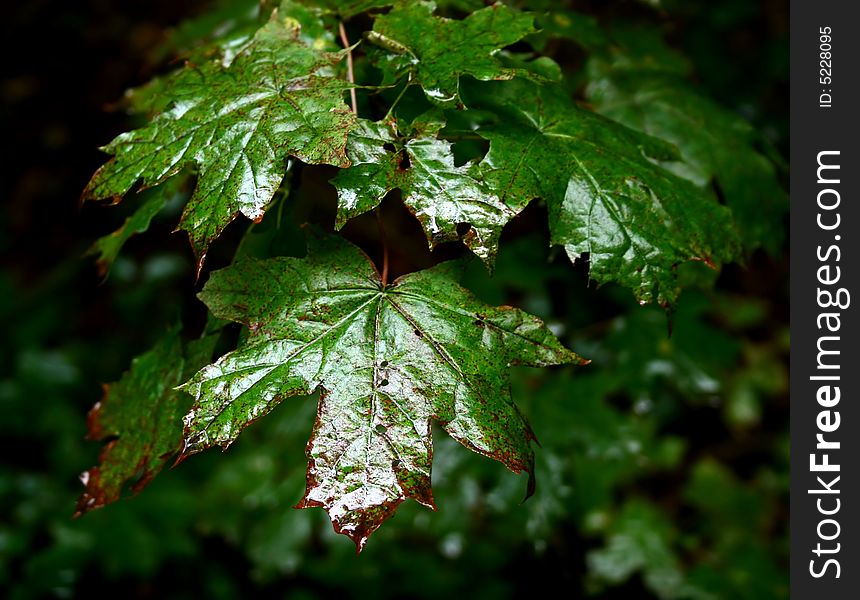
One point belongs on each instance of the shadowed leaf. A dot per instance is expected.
(140, 415)
(714, 143)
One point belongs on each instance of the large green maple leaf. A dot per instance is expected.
(605, 194)
(435, 51)
(236, 120)
(388, 359)
(443, 197)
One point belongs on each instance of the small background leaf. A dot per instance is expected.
(140, 416)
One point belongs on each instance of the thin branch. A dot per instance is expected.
(350, 74)
(397, 100)
(384, 240)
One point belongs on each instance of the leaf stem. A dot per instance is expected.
(350, 74)
(396, 100)
(384, 240)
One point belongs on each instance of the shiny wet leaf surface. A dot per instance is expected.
(389, 360)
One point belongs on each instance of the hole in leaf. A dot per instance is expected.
(228, 339)
(404, 161)
(380, 429)
(383, 382)
(463, 228)
(395, 464)
(469, 151)
(418, 333)
(718, 191)
(383, 364)
(388, 146)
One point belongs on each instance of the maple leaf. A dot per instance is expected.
(236, 120)
(388, 359)
(108, 247)
(436, 51)
(141, 415)
(714, 142)
(605, 194)
(442, 196)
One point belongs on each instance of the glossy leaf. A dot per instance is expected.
(141, 416)
(605, 195)
(388, 359)
(715, 143)
(451, 202)
(236, 120)
(435, 51)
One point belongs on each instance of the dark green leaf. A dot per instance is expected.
(237, 120)
(435, 51)
(226, 23)
(389, 359)
(445, 198)
(107, 248)
(640, 539)
(140, 415)
(713, 490)
(605, 195)
(559, 23)
(349, 8)
(643, 49)
(715, 143)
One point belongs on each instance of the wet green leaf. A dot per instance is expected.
(141, 415)
(236, 120)
(605, 195)
(451, 202)
(388, 359)
(715, 143)
(435, 51)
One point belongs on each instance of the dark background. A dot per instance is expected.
(674, 483)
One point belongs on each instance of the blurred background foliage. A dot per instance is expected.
(663, 471)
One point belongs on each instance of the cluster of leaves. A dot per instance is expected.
(471, 122)
(626, 490)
